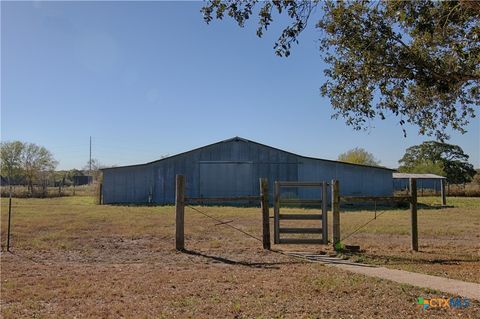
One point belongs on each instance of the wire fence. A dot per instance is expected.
(221, 222)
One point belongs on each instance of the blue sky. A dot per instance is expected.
(149, 79)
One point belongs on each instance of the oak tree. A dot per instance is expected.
(37, 162)
(450, 158)
(418, 61)
(11, 160)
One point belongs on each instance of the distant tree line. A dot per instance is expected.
(429, 157)
(33, 166)
(26, 163)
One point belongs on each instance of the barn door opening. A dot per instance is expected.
(226, 179)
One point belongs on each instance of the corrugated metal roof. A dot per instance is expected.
(240, 139)
(417, 176)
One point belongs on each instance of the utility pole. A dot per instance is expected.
(90, 161)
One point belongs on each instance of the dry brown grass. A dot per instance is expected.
(449, 238)
(75, 259)
(20, 191)
(470, 189)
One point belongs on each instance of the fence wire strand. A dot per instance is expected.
(221, 222)
(362, 226)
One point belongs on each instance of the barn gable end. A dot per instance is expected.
(233, 168)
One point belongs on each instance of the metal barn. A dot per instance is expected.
(233, 168)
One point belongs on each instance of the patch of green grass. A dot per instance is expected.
(460, 202)
(58, 222)
(431, 222)
(236, 308)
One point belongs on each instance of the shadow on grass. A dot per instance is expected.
(264, 265)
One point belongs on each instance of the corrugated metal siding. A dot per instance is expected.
(226, 178)
(354, 180)
(233, 168)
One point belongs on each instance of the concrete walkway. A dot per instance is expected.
(451, 286)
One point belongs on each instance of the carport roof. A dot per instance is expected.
(417, 176)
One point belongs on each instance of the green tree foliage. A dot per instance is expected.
(424, 167)
(359, 156)
(27, 160)
(431, 156)
(36, 162)
(11, 159)
(416, 60)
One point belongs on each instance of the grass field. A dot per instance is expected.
(72, 258)
(449, 238)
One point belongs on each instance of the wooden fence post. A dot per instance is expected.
(276, 212)
(180, 213)
(324, 213)
(336, 212)
(265, 213)
(413, 211)
(9, 218)
(442, 192)
(100, 194)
